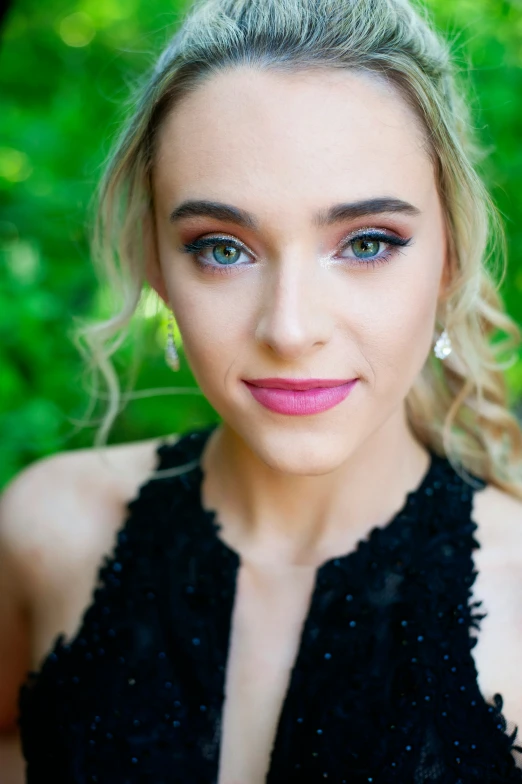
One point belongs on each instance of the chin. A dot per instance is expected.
(302, 450)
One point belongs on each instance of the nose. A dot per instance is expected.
(294, 316)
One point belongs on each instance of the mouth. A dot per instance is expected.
(299, 397)
(298, 384)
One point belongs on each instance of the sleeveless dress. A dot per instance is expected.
(383, 689)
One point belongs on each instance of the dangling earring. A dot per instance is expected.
(171, 354)
(443, 347)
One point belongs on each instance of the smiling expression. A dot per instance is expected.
(299, 235)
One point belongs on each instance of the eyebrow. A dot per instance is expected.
(335, 214)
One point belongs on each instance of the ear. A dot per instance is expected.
(153, 271)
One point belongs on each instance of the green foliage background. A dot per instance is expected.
(66, 69)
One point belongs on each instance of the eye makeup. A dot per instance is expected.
(195, 247)
(362, 243)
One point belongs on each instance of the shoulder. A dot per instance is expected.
(498, 561)
(498, 516)
(64, 507)
(498, 585)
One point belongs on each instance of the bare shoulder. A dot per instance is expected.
(66, 507)
(499, 519)
(498, 585)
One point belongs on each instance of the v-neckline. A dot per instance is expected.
(325, 574)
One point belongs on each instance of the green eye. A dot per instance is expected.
(365, 248)
(225, 253)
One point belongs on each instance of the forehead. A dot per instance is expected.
(307, 136)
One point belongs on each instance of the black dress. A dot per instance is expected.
(383, 690)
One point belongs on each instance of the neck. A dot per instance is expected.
(280, 520)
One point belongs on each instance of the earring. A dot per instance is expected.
(171, 354)
(443, 347)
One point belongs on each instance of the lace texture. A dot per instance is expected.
(383, 690)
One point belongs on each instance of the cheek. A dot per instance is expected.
(399, 339)
(212, 329)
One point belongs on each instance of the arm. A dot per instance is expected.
(15, 638)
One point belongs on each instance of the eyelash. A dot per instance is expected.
(193, 248)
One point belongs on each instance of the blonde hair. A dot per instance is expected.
(458, 407)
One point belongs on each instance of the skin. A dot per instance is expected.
(290, 492)
(303, 484)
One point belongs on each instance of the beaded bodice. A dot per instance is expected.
(383, 689)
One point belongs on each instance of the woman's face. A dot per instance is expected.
(299, 286)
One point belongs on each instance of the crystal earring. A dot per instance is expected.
(443, 347)
(171, 354)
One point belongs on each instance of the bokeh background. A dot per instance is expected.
(66, 72)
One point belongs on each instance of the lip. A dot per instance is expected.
(298, 383)
(318, 394)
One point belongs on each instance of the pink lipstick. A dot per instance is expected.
(299, 397)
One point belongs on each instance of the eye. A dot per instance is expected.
(225, 253)
(368, 248)
(372, 247)
(365, 248)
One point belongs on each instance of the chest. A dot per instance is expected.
(269, 612)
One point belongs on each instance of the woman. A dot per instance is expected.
(340, 558)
